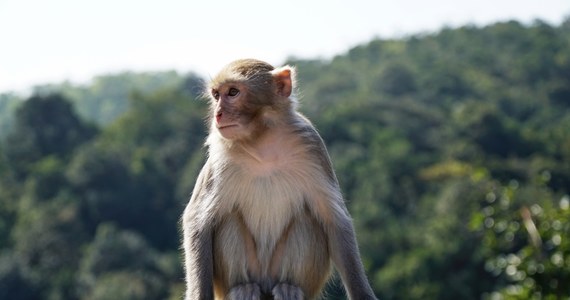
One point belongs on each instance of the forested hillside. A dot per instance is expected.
(452, 149)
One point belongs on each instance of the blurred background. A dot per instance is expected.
(448, 123)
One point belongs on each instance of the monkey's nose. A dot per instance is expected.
(218, 116)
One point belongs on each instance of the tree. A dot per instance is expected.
(524, 234)
(396, 80)
(133, 271)
(45, 125)
(14, 282)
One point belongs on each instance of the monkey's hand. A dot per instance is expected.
(283, 291)
(248, 291)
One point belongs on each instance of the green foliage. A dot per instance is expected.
(525, 234)
(8, 104)
(107, 97)
(133, 270)
(44, 126)
(452, 149)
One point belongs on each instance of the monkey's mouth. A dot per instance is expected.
(221, 127)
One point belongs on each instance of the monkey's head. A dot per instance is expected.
(248, 96)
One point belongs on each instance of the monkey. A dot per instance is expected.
(266, 218)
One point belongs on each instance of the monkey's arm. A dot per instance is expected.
(345, 255)
(198, 242)
(342, 239)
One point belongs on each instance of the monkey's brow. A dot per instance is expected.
(218, 85)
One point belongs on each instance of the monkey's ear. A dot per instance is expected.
(284, 78)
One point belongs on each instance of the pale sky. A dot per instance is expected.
(51, 41)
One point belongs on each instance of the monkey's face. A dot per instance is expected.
(243, 93)
(231, 115)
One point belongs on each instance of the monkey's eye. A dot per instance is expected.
(233, 92)
(215, 94)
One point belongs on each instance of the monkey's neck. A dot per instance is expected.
(270, 147)
(253, 153)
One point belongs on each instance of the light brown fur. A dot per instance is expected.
(266, 217)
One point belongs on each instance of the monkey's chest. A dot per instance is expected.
(266, 202)
(267, 220)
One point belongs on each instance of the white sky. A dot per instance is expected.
(51, 41)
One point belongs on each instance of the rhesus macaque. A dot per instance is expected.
(266, 219)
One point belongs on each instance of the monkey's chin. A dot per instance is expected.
(229, 131)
